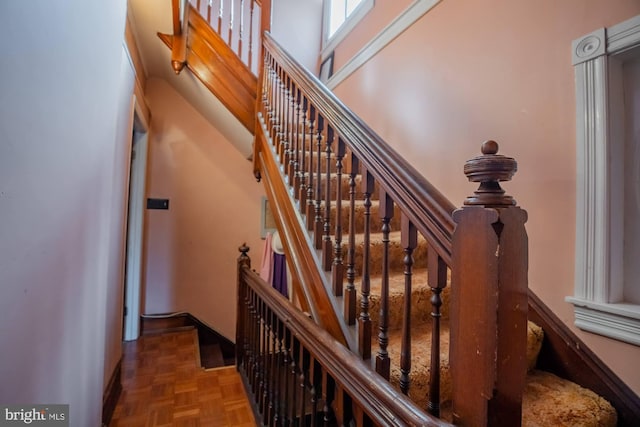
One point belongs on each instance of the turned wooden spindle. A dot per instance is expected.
(489, 169)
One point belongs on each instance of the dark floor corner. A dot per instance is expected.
(215, 350)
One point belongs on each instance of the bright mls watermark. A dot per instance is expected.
(36, 415)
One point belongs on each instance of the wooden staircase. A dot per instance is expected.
(373, 255)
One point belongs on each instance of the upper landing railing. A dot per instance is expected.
(240, 23)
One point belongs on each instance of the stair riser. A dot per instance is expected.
(344, 185)
(395, 256)
(375, 222)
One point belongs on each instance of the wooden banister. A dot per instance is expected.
(487, 255)
(318, 362)
(424, 205)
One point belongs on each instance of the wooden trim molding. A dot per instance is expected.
(112, 394)
(406, 19)
(135, 58)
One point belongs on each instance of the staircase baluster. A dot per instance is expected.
(338, 267)
(297, 143)
(231, 13)
(313, 378)
(286, 129)
(266, 340)
(285, 376)
(209, 6)
(249, 339)
(276, 108)
(281, 118)
(350, 295)
(327, 397)
(409, 242)
(266, 88)
(382, 358)
(317, 230)
(292, 380)
(255, 344)
(250, 52)
(277, 347)
(303, 385)
(437, 276)
(310, 202)
(267, 91)
(327, 249)
(220, 13)
(303, 157)
(290, 164)
(273, 379)
(256, 347)
(261, 395)
(364, 322)
(274, 105)
(241, 33)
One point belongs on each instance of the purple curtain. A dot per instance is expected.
(280, 274)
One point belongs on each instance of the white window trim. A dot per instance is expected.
(330, 43)
(598, 300)
(406, 19)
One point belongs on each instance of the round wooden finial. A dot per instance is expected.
(489, 169)
(489, 147)
(177, 66)
(243, 249)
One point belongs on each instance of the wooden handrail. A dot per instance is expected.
(376, 398)
(303, 129)
(427, 208)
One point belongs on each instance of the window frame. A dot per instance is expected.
(598, 300)
(330, 43)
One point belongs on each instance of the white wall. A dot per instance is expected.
(117, 228)
(58, 199)
(297, 26)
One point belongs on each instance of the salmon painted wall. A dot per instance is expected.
(191, 249)
(370, 25)
(469, 71)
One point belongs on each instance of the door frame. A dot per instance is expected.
(135, 226)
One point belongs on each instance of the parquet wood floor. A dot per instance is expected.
(163, 385)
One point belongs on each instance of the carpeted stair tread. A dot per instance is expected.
(375, 222)
(396, 253)
(344, 179)
(547, 401)
(420, 295)
(421, 358)
(552, 401)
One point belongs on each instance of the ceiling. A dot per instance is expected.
(148, 17)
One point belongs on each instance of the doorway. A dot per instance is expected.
(135, 229)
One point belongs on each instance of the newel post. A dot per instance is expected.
(489, 298)
(241, 313)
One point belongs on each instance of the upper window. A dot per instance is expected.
(339, 12)
(340, 16)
